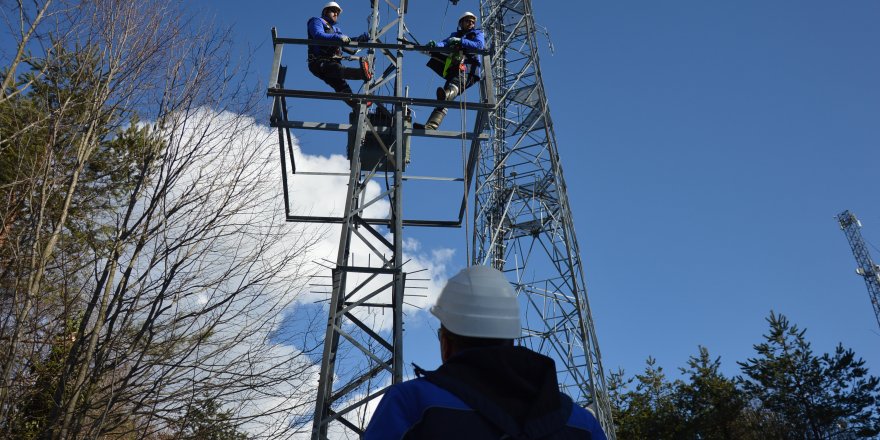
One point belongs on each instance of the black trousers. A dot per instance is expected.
(334, 73)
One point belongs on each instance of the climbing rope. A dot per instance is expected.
(462, 75)
(440, 32)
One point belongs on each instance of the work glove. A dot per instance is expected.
(345, 39)
(431, 43)
(454, 41)
(363, 37)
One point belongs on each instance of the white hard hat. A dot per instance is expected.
(332, 5)
(479, 302)
(467, 14)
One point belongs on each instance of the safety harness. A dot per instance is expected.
(337, 51)
(444, 64)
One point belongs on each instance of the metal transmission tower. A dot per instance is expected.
(523, 224)
(867, 269)
(361, 357)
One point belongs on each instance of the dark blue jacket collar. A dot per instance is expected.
(512, 387)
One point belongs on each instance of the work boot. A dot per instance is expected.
(447, 94)
(435, 119)
(365, 69)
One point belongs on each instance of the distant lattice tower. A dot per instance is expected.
(523, 224)
(867, 269)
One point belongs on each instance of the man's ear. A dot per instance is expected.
(446, 347)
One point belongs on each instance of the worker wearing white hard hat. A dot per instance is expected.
(468, 14)
(487, 387)
(479, 302)
(325, 62)
(460, 69)
(333, 5)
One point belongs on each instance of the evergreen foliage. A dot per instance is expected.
(785, 392)
(709, 401)
(205, 420)
(811, 397)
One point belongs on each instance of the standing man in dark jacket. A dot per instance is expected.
(487, 388)
(460, 70)
(325, 62)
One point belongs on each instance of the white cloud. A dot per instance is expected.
(254, 155)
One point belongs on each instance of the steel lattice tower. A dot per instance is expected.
(361, 358)
(523, 224)
(867, 269)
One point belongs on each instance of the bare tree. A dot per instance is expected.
(23, 24)
(143, 266)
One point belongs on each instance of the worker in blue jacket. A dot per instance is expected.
(325, 62)
(461, 69)
(487, 388)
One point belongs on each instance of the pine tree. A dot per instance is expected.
(205, 420)
(712, 403)
(806, 396)
(650, 410)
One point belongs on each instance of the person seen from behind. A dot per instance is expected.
(486, 388)
(325, 62)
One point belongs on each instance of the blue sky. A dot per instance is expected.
(707, 148)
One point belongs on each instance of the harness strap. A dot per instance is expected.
(317, 58)
(337, 52)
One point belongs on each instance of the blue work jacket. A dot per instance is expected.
(485, 393)
(322, 28)
(470, 40)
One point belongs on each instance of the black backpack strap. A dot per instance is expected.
(420, 372)
(492, 414)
